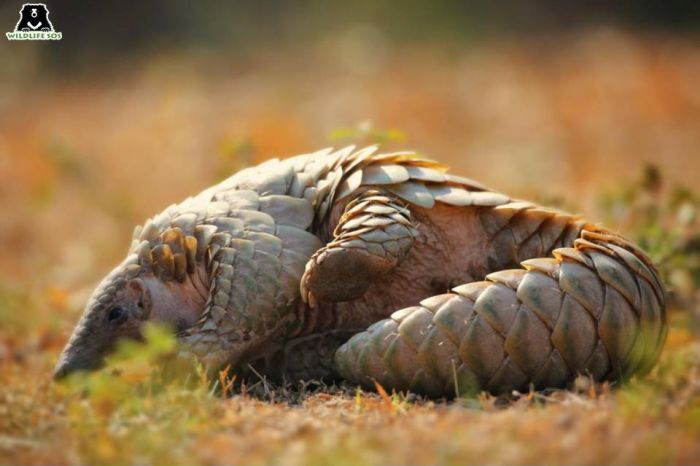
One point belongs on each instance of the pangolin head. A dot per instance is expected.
(117, 309)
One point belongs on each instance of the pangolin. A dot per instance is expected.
(373, 266)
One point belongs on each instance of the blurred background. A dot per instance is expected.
(144, 103)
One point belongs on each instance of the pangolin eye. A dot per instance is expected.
(117, 315)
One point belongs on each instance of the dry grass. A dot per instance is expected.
(128, 418)
(558, 123)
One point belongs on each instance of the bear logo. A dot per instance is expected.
(34, 17)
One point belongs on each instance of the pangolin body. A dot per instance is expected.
(382, 266)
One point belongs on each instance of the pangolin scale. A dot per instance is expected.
(381, 267)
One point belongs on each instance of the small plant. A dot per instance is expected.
(366, 133)
(234, 155)
(663, 220)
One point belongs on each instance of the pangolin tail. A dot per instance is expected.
(596, 308)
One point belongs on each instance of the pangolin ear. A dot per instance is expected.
(137, 293)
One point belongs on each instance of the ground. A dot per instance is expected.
(129, 418)
(608, 128)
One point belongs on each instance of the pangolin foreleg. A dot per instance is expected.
(374, 234)
(254, 266)
(596, 308)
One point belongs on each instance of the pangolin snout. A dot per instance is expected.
(61, 370)
(66, 367)
(71, 362)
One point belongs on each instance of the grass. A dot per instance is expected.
(131, 415)
(79, 184)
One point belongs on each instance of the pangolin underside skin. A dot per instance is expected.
(381, 267)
